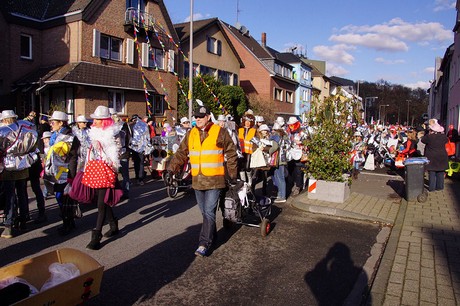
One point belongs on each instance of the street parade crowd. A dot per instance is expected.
(80, 162)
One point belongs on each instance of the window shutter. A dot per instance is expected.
(129, 51)
(96, 43)
(219, 47)
(145, 55)
(171, 60)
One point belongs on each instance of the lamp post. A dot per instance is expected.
(366, 99)
(380, 107)
(190, 66)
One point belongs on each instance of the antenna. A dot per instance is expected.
(237, 10)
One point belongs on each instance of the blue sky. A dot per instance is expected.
(369, 40)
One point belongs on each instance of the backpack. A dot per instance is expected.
(18, 146)
(232, 204)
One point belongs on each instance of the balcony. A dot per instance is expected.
(143, 20)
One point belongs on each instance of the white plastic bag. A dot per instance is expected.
(370, 162)
(257, 159)
(60, 273)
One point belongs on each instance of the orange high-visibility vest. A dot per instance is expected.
(206, 157)
(245, 142)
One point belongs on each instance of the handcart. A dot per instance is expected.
(241, 206)
(174, 181)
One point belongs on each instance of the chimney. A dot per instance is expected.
(264, 39)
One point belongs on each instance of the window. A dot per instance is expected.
(157, 58)
(278, 95)
(158, 105)
(235, 80)
(105, 46)
(137, 4)
(289, 96)
(278, 69)
(214, 46)
(117, 101)
(110, 48)
(224, 76)
(205, 70)
(26, 46)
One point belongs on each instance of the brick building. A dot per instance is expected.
(74, 55)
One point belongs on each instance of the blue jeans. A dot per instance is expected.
(124, 165)
(207, 202)
(435, 180)
(280, 181)
(12, 189)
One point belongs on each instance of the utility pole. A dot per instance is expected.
(190, 66)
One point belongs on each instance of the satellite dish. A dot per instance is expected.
(244, 30)
(238, 25)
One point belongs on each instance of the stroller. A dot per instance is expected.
(241, 206)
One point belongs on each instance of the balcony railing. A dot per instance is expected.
(139, 18)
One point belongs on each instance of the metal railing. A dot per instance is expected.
(139, 18)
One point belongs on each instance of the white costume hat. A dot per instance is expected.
(101, 112)
(264, 127)
(81, 118)
(46, 135)
(221, 118)
(292, 120)
(59, 116)
(7, 113)
(183, 120)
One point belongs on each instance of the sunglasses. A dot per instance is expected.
(248, 119)
(201, 116)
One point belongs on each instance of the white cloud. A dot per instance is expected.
(419, 84)
(389, 62)
(372, 41)
(197, 16)
(336, 70)
(442, 5)
(393, 35)
(335, 54)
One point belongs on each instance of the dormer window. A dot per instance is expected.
(214, 46)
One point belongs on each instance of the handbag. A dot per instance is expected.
(450, 147)
(113, 195)
(257, 159)
(98, 174)
(80, 192)
(273, 162)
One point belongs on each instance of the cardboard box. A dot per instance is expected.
(72, 292)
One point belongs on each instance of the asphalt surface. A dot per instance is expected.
(307, 259)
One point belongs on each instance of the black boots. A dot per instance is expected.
(95, 243)
(113, 229)
(68, 224)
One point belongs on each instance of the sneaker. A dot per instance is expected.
(295, 191)
(201, 251)
(7, 232)
(280, 200)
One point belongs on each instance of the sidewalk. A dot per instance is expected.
(416, 259)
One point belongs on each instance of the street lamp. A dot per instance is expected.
(380, 107)
(365, 105)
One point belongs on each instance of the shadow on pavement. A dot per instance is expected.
(161, 264)
(333, 278)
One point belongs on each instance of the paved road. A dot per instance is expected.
(307, 259)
